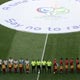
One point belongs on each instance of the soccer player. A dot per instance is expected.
(77, 62)
(49, 64)
(15, 65)
(66, 65)
(54, 62)
(33, 64)
(3, 68)
(71, 61)
(27, 68)
(38, 65)
(10, 66)
(61, 65)
(72, 64)
(55, 65)
(21, 62)
(43, 65)
(15, 61)
(66, 61)
(27, 65)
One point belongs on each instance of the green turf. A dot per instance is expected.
(6, 37)
(3, 1)
(28, 45)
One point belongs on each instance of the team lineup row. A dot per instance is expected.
(12, 65)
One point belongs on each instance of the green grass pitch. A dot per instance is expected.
(28, 45)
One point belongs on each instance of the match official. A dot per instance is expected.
(49, 64)
(33, 64)
(38, 65)
(43, 66)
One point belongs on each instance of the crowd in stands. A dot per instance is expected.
(21, 65)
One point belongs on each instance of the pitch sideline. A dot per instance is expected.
(43, 52)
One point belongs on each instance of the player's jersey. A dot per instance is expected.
(11, 61)
(5, 62)
(66, 62)
(38, 63)
(33, 63)
(26, 62)
(71, 62)
(54, 62)
(43, 63)
(15, 62)
(77, 61)
(61, 62)
(49, 63)
(21, 61)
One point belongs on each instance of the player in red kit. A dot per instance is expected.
(71, 61)
(54, 65)
(77, 62)
(61, 65)
(66, 65)
(72, 64)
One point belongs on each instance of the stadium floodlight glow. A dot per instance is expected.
(41, 16)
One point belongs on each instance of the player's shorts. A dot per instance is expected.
(15, 69)
(27, 69)
(4, 70)
(49, 67)
(43, 67)
(0, 65)
(33, 67)
(38, 67)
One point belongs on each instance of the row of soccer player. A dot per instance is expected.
(24, 65)
(63, 65)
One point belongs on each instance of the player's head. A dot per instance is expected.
(61, 58)
(77, 58)
(66, 58)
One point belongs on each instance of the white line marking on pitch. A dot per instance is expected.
(43, 52)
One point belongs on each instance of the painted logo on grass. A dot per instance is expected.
(41, 16)
(53, 11)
